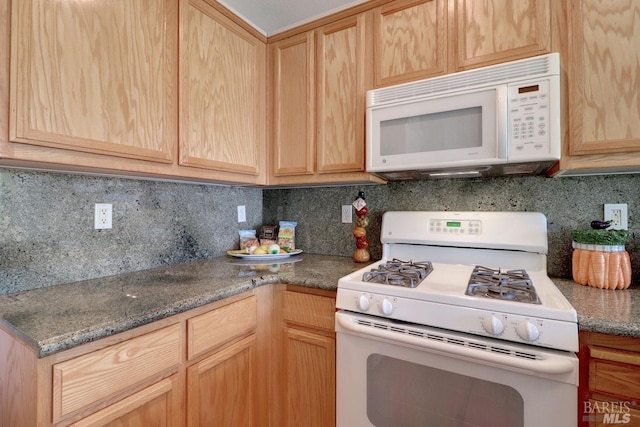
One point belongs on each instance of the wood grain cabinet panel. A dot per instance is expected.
(217, 327)
(222, 92)
(222, 388)
(609, 390)
(410, 41)
(88, 379)
(157, 405)
(310, 379)
(94, 77)
(495, 31)
(293, 92)
(306, 375)
(310, 310)
(318, 81)
(341, 96)
(604, 66)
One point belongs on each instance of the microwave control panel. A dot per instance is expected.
(529, 125)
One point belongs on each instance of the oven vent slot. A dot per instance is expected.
(526, 355)
(500, 350)
(450, 340)
(478, 346)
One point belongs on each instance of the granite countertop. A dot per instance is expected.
(56, 318)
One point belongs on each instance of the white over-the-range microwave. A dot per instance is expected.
(498, 120)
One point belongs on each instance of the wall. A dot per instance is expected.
(568, 203)
(47, 233)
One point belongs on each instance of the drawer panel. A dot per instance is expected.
(311, 310)
(93, 377)
(210, 330)
(614, 371)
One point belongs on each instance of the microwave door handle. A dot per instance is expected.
(550, 365)
(503, 121)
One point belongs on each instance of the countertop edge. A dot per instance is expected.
(614, 312)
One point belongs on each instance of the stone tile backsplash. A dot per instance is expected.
(568, 203)
(47, 235)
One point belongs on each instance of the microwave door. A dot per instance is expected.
(440, 132)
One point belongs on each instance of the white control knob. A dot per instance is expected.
(387, 307)
(363, 303)
(492, 325)
(528, 331)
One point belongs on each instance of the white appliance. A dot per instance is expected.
(457, 325)
(498, 120)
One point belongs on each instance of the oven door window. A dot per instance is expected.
(405, 394)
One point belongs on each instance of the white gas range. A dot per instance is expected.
(455, 243)
(454, 292)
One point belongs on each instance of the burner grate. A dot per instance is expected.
(399, 273)
(511, 285)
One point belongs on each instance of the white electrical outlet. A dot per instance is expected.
(347, 216)
(103, 216)
(617, 214)
(242, 214)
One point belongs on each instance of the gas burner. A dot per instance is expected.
(511, 285)
(399, 273)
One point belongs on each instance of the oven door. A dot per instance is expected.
(392, 374)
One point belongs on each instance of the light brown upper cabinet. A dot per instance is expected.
(494, 31)
(341, 92)
(293, 65)
(318, 105)
(94, 87)
(94, 77)
(410, 41)
(603, 71)
(222, 93)
(416, 39)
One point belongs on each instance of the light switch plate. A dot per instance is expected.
(242, 214)
(347, 216)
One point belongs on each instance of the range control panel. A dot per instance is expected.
(458, 226)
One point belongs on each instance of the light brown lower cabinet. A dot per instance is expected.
(609, 380)
(157, 405)
(217, 365)
(307, 358)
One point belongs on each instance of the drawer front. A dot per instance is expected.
(614, 371)
(210, 330)
(310, 310)
(93, 377)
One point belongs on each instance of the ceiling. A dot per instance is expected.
(274, 16)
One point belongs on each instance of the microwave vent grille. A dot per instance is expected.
(538, 66)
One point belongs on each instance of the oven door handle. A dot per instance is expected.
(549, 365)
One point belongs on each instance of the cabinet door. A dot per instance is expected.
(495, 31)
(293, 139)
(222, 92)
(94, 77)
(603, 71)
(157, 405)
(341, 96)
(310, 388)
(104, 374)
(222, 388)
(410, 39)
